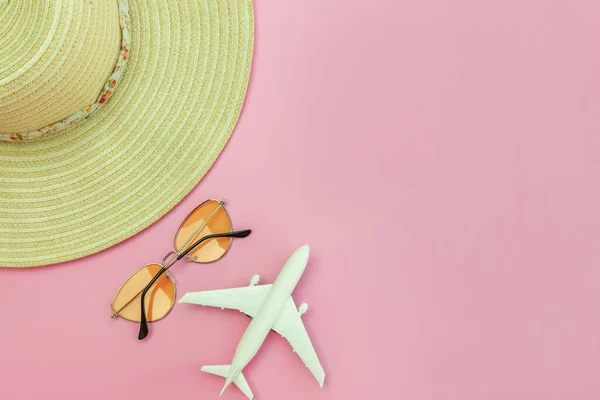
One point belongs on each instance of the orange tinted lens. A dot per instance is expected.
(159, 299)
(219, 222)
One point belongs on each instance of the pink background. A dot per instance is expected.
(441, 159)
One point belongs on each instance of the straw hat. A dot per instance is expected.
(111, 111)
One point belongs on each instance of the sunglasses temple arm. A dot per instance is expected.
(143, 320)
(235, 234)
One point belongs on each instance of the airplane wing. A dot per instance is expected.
(290, 326)
(246, 299)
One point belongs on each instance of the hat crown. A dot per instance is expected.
(55, 57)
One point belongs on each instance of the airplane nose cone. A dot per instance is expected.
(303, 251)
(300, 256)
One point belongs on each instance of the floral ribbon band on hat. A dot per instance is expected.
(107, 90)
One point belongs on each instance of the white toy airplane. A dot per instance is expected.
(271, 307)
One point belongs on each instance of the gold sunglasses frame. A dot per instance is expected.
(172, 259)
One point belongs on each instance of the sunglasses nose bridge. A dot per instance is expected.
(169, 258)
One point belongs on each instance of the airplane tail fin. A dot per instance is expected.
(239, 380)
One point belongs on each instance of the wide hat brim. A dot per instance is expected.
(85, 189)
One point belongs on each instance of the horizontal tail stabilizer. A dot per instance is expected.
(223, 371)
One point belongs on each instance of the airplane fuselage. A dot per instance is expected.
(270, 310)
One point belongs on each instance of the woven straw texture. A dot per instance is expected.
(82, 190)
(44, 76)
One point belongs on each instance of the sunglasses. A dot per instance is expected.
(148, 295)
